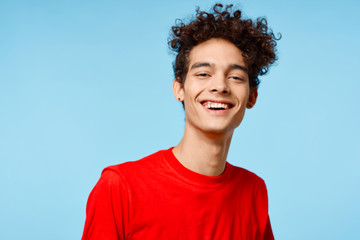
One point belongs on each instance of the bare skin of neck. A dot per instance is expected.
(203, 153)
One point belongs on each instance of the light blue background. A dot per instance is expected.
(87, 84)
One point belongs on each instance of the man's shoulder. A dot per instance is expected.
(244, 175)
(137, 166)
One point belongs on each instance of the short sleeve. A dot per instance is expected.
(268, 234)
(262, 205)
(107, 208)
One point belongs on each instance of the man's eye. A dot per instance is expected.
(237, 78)
(202, 75)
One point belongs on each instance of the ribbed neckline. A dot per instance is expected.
(194, 177)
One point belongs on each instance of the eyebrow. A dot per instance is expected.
(236, 66)
(200, 64)
(206, 64)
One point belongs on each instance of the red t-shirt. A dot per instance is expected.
(158, 198)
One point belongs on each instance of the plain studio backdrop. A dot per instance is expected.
(87, 84)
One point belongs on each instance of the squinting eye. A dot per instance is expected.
(237, 78)
(202, 75)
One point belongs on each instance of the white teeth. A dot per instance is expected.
(217, 105)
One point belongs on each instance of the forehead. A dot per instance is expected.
(217, 51)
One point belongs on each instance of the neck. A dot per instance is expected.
(204, 153)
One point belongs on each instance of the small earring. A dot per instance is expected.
(179, 99)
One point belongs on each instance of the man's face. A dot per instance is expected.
(216, 89)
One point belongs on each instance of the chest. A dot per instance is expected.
(168, 210)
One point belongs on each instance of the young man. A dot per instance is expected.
(190, 191)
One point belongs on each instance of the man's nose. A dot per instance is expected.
(219, 85)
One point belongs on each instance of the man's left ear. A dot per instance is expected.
(252, 98)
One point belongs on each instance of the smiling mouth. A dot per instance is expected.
(216, 105)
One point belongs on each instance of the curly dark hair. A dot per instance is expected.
(256, 41)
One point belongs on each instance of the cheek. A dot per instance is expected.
(189, 99)
(191, 90)
(242, 95)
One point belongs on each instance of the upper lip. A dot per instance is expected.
(218, 101)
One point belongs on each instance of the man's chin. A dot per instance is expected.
(218, 131)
